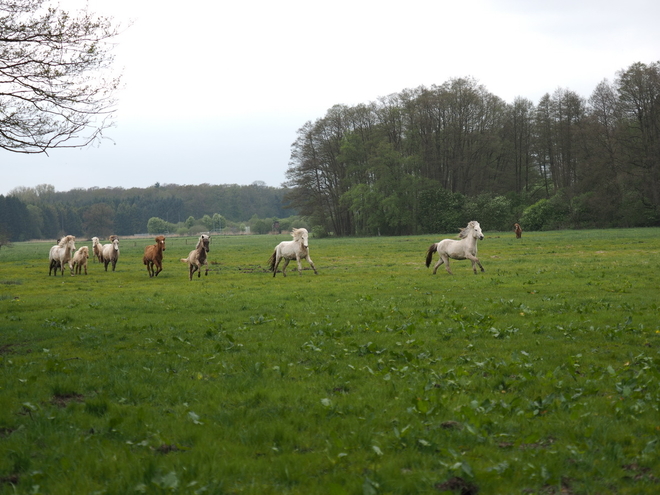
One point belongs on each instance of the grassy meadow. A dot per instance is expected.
(540, 375)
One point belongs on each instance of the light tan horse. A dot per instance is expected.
(110, 253)
(80, 260)
(97, 250)
(197, 257)
(61, 254)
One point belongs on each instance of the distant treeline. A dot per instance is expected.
(432, 158)
(42, 213)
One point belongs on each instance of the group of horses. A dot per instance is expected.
(297, 249)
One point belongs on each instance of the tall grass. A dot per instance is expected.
(538, 376)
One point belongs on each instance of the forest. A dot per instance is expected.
(432, 158)
(43, 213)
(425, 160)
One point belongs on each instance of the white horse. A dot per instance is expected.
(96, 249)
(296, 249)
(110, 253)
(464, 249)
(61, 254)
(197, 257)
(79, 260)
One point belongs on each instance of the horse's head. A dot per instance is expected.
(301, 235)
(85, 251)
(203, 242)
(115, 244)
(95, 241)
(476, 230)
(161, 241)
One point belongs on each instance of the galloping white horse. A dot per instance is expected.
(110, 253)
(466, 248)
(62, 253)
(296, 249)
(197, 257)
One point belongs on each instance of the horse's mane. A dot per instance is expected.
(298, 234)
(202, 242)
(464, 232)
(65, 240)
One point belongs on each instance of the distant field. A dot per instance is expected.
(540, 375)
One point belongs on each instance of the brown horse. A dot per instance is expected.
(197, 257)
(153, 256)
(518, 230)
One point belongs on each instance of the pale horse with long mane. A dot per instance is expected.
(110, 253)
(61, 254)
(197, 257)
(465, 249)
(96, 249)
(79, 260)
(296, 249)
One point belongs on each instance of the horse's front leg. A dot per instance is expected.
(311, 263)
(207, 268)
(475, 261)
(299, 265)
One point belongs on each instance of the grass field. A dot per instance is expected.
(540, 375)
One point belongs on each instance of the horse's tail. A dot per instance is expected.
(271, 261)
(429, 253)
(185, 260)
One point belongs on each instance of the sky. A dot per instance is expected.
(215, 92)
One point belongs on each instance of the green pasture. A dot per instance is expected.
(540, 375)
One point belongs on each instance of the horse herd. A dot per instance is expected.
(297, 249)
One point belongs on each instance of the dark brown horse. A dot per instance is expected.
(153, 256)
(518, 230)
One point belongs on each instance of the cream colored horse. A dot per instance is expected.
(110, 253)
(80, 260)
(296, 249)
(96, 249)
(61, 254)
(465, 249)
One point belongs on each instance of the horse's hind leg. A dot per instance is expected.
(437, 265)
(445, 260)
(286, 262)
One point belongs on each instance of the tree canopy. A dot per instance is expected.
(396, 165)
(56, 81)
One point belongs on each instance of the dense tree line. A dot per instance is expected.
(43, 213)
(430, 159)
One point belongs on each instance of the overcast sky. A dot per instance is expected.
(214, 92)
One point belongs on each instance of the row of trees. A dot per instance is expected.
(43, 213)
(409, 161)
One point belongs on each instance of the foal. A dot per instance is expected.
(153, 256)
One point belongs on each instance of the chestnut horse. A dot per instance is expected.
(518, 230)
(153, 256)
(466, 248)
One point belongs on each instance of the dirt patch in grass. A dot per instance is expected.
(64, 399)
(458, 485)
